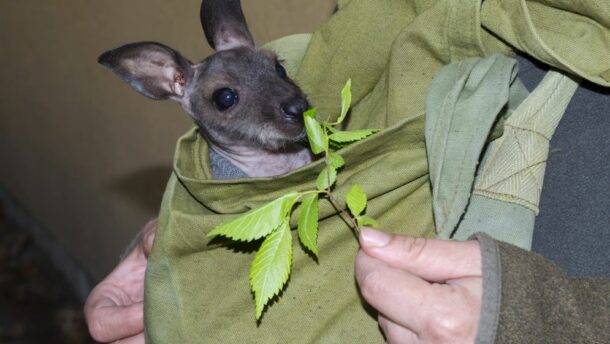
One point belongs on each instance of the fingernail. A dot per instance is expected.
(374, 238)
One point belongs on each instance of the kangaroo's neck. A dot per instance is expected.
(256, 162)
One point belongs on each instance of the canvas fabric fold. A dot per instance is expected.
(463, 103)
(507, 190)
(196, 290)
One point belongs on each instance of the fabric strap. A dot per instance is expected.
(512, 171)
(463, 103)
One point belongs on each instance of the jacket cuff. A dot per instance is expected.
(492, 284)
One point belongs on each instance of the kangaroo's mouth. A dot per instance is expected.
(285, 136)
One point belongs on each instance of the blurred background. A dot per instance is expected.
(84, 158)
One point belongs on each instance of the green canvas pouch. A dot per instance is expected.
(197, 290)
(572, 36)
(200, 288)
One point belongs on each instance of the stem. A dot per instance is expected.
(326, 160)
(347, 217)
(301, 194)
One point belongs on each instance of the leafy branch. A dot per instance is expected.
(273, 261)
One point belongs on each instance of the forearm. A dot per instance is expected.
(527, 299)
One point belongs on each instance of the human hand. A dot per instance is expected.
(425, 290)
(115, 307)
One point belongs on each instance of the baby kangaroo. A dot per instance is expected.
(241, 98)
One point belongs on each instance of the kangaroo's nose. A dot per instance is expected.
(293, 110)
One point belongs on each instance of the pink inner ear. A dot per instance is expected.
(227, 43)
(179, 79)
(230, 37)
(177, 87)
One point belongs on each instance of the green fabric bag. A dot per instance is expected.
(196, 290)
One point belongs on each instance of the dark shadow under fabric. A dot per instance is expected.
(573, 227)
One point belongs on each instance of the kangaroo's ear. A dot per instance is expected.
(224, 24)
(153, 69)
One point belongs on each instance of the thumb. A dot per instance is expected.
(431, 259)
(148, 236)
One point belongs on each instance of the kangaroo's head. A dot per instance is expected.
(238, 96)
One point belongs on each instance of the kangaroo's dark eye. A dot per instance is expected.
(224, 98)
(281, 72)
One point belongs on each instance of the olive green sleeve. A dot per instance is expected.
(527, 299)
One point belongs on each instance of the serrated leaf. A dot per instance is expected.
(364, 220)
(318, 140)
(346, 100)
(351, 136)
(326, 179)
(308, 222)
(258, 222)
(335, 160)
(356, 200)
(271, 266)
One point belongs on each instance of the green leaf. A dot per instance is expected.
(326, 179)
(338, 145)
(329, 128)
(346, 100)
(335, 160)
(308, 222)
(351, 136)
(356, 200)
(271, 266)
(364, 220)
(318, 140)
(258, 222)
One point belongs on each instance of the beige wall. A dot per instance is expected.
(87, 156)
